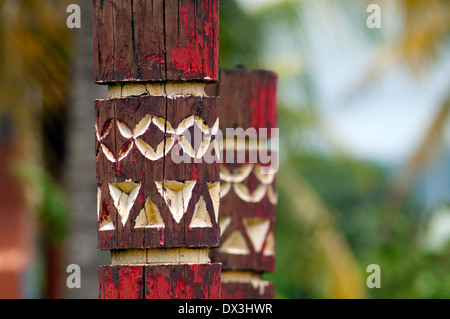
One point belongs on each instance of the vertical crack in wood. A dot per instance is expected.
(165, 42)
(133, 40)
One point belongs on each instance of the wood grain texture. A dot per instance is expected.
(177, 281)
(248, 98)
(159, 40)
(134, 126)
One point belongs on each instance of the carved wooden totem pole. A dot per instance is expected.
(158, 198)
(248, 190)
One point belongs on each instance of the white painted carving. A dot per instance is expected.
(124, 196)
(257, 229)
(150, 216)
(166, 145)
(201, 217)
(103, 135)
(235, 244)
(235, 181)
(177, 196)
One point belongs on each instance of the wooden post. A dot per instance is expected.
(159, 217)
(248, 195)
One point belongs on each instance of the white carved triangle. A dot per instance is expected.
(177, 196)
(150, 216)
(201, 217)
(214, 192)
(269, 250)
(124, 196)
(257, 229)
(235, 244)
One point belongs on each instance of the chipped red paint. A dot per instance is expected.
(176, 281)
(163, 288)
(165, 40)
(180, 289)
(256, 104)
(109, 282)
(194, 57)
(131, 282)
(137, 168)
(190, 58)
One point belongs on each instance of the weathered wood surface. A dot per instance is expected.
(131, 145)
(248, 196)
(248, 98)
(188, 281)
(159, 40)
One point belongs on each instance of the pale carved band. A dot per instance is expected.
(160, 256)
(164, 146)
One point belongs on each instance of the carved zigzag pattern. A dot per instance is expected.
(165, 146)
(235, 181)
(101, 136)
(177, 196)
(259, 237)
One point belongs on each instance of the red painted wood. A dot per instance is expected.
(177, 281)
(108, 282)
(131, 284)
(248, 98)
(156, 40)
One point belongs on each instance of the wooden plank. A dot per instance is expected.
(151, 122)
(107, 221)
(149, 39)
(248, 98)
(192, 109)
(105, 145)
(108, 282)
(131, 282)
(163, 287)
(204, 281)
(105, 132)
(161, 40)
(154, 171)
(103, 41)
